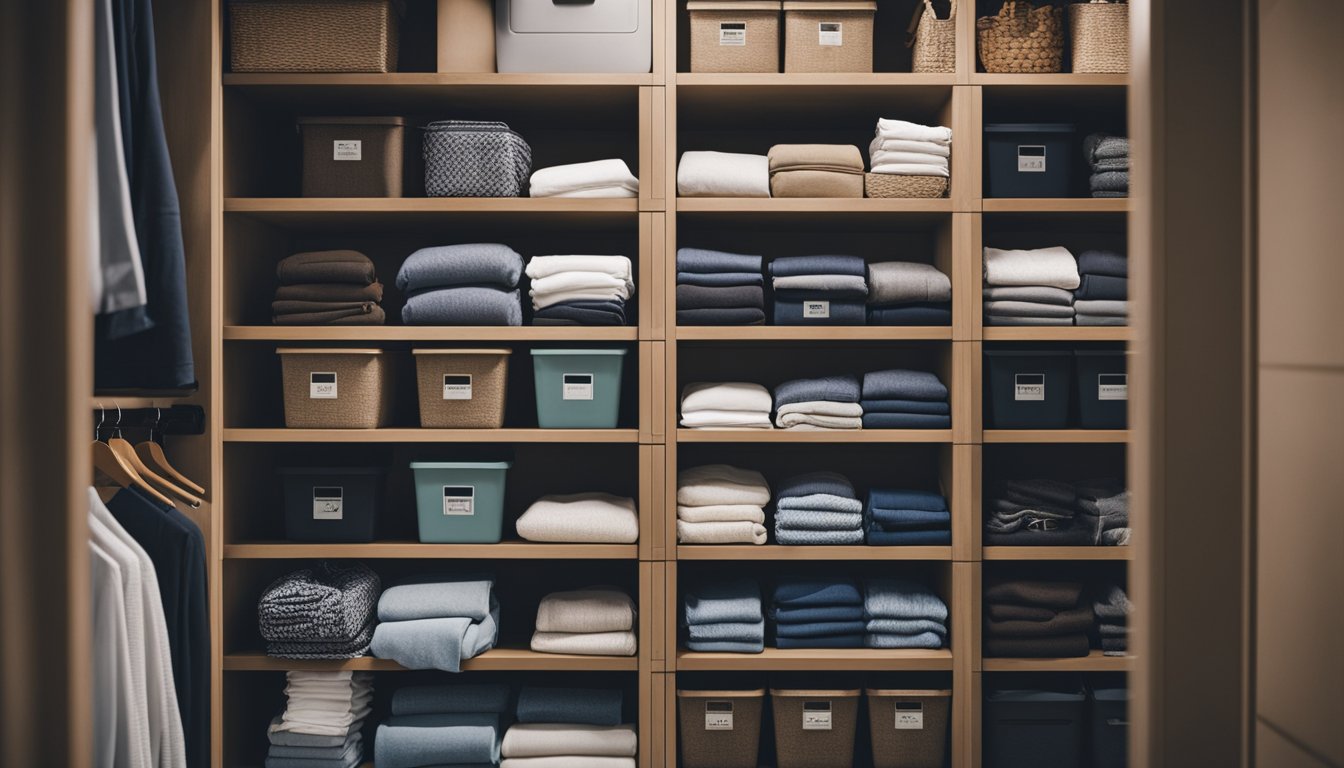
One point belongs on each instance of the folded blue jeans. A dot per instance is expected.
(896, 498)
(819, 628)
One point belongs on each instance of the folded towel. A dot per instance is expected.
(720, 297)
(840, 157)
(438, 596)
(1102, 146)
(936, 148)
(899, 129)
(902, 599)
(818, 520)
(819, 312)
(1102, 307)
(819, 482)
(458, 698)
(725, 396)
(932, 407)
(794, 266)
(581, 313)
(341, 266)
(559, 739)
(586, 643)
(1110, 263)
(900, 384)
(733, 316)
(540, 267)
(911, 314)
(410, 741)
(1027, 309)
(937, 164)
(1053, 267)
(818, 628)
(814, 592)
(705, 261)
(436, 643)
(840, 389)
(1036, 294)
(733, 600)
(828, 641)
(568, 761)
(906, 421)
(721, 532)
(721, 484)
(919, 640)
(581, 517)
(734, 631)
(576, 706)
(721, 513)
(821, 286)
(1109, 181)
(726, 420)
(478, 264)
(1057, 647)
(723, 174)
(563, 283)
(909, 169)
(612, 177)
(720, 279)
(593, 609)
(468, 305)
(1103, 287)
(816, 182)
(895, 282)
(1044, 594)
(820, 502)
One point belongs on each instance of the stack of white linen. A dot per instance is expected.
(562, 280)
(322, 719)
(599, 178)
(721, 504)
(910, 149)
(726, 405)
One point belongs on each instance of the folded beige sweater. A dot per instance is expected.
(710, 484)
(586, 643)
(843, 158)
(721, 513)
(598, 518)
(592, 609)
(741, 532)
(551, 739)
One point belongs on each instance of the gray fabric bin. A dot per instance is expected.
(1033, 728)
(332, 504)
(466, 158)
(1029, 159)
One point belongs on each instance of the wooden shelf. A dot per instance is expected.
(778, 552)
(1053, 79)
(415, 435)
(818, 660)
(1056, 436)
(494, 659)
(1055, 205)
(805, 79)
(426, 333)
(806, 333)
(800, 436)
(1093, 662)
(1055, 553)
(412, 550)
(780, 205)
(1061, 333)
(380, 214)
(405, 80)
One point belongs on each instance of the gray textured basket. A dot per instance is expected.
(911, 743)
(363, 398)
(798, 747)
(442, 404)
(734, 747)
(465, 158)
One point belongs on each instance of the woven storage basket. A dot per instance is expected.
(720, 729)
(1100, 34)
(909, 728)
(335, 388)
(933, 40)
(801, 742)
(1022, 39)
(734, 35)
(462, 388)
(893, 185)
(352, 156)
(465, 158)
(828, 35)
(313, 35)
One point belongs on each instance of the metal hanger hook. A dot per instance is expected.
(102, 417)
(116, 428)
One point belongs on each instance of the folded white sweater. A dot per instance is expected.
(915, 158)
(593, 609)
(568, 761)
(599, 178)
(551, 739)
(580, 294)
(586, 643)
(815, 421)
(909, 169)
(545, 266)
(821, 408)
(726, 396)
(900, 129)
(1054, 267)
(580, 281)
(723, 174)
(726, 420)
(740, 532)
(722, 513)
(721, 484)
(938, 148)
(599, 518)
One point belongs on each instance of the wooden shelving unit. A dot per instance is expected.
(386, 333)
(1056, 553)
(778, 552)
(1093, 662)
(495, 659)
(818, 660)
(414, 550)
(418, 435)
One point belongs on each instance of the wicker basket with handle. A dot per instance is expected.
(314, 35)
(1100, 33)
(895, 185)
(1022, 39)
(934, 40)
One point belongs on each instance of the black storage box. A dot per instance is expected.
(1029, 159)
(1103, 388)
(1110, 727)
(1032, 728)
(332, 503)
(1029, 389)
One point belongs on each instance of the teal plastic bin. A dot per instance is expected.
(460, 502)
(578, 388)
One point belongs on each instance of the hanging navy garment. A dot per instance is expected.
(150, 346)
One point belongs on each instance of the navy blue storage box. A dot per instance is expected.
(333, 504)
(1103, 389)
(1029, 159)
(1031, 728)
(1110, 727)
(1029, 389)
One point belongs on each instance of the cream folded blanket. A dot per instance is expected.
(725, 396)
(722, 513)
(569, 761)
(936, 148)
(599, 518)
(580, 281)
(710, 484)
(821, 408)
(723, 174)
(740, 532)
(900, 129)
(1054, 267)
(586, 643)
(726, 420)
(914, 158)
(592, 609)
(612, 176)
(909, 169)
(545, 266)
(806, 420)
(552, 739)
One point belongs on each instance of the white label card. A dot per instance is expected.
(347, 149)
(456, 386)
(459, 500)
(830, 33)
(820, 310)
(733, 33)
(327, 502)
(322, 385)
(909, 716)
(816, 716)
(718, 715)
(1031, 158)
(1112, 386)
(576, 386)
(1029, 386)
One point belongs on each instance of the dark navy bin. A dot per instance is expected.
(1110, 727)
(1103, 388)
(332, 504)
(1029, 159)
(1033, 728)
(1029, 389)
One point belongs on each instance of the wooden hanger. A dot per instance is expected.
(126, 451)
(112, 465)
(151, 453)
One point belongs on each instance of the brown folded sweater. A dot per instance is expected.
(1009, 612)
(1045, 594)
(842, 158)
(325, 267)
(816, 184)
(366, 314)
(339, 292)
(1058, 647)
(1072, 621)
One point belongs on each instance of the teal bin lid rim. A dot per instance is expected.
(576, 352)
(331, 470)
(461, 464)
(1030, 128)
(1028, 352)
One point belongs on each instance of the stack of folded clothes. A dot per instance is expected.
(818, 613)
(725, 405)
(831, 402)
(1037, 619)
(435, 622)
(907, 518)
(818, 508)
(590, 518)
(1108, 157)
(323, 612)
(900, 399)
(903, 614)
(1030, 287)
(570, 728)
(1102, 297)
(723, 174)
(322, 722)
(819, 290)
(718, 288)
(598, 178)
(469, 284)
(327, 288)
(580, 290)
(816, 170)
(908, 293)
(724, 617)
(1104, 504)
(1113, 609)
(910, 149)
(719, 504)
(595, 621)
(1037, 513)
(442, 725)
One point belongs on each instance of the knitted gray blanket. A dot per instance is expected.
(332, 602)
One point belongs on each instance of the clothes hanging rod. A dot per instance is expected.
(169, 420)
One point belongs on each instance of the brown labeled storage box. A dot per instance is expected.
(352, 156)
(462, 388)
(734, 35)
(313, 35)
(909, 728)
(335, 388)
(828, 35)
(720, 729)
(815, 729)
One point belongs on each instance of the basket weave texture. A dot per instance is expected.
(313, 35)
(760, 54)
(363, 398)
(489, 374)
(893, 185)
(1100, 33)
(935, 43)
(1022, 39)
(924, 747)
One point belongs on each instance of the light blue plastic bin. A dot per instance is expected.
(578, 388)
(460, 502)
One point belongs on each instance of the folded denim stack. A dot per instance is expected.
(1037, 619)
(910, 149)
(901, 399)
(908, 293)
(818, 613)
(469, 284)
(443, 726)
(1030, 287)
(819, 290)
(570, 728)
(322, 722)
(719, 504)
(323, 612)
(327, 288)
(580, 290)
(816, 170)
(435, 622)
(723, 174)
(718, 288)
(724, 617)
(1113, 609)
(903, 614)
(1037, 513)
(1104, 503)
(1108, 157)
(595, 621)
(830, 402)
(818, 508)
(725, 405)
(1102, 297)
(907, 518)
(581, 518)
(598, 178)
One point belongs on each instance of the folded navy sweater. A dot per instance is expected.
(813, 592)
(934, 407)
(792, 266)
(1103, 287)
(719, 297)
(579, 706)
(836, 389)
(810, 483)
(715, 279)
(467, 305)
(898, 384)
(819, 312)
(581, 313)
(703, 260)
(1099, 262)
(722, 316)
(469, 264)
(911, 314)
(906, 421)
(892, 498)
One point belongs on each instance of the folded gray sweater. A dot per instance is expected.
(467, 264)
(331, 602)
(839, 389)
(411, 741)
(434, 597)
(467, 305)
(907, 282)
(436, 643)
(1037, 294)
